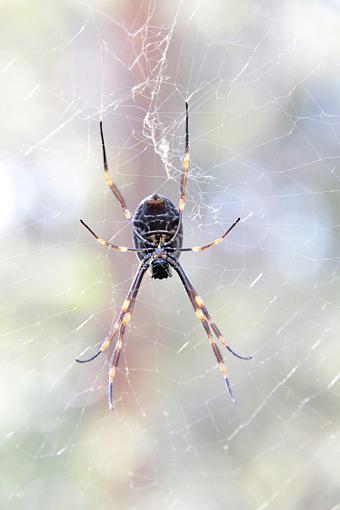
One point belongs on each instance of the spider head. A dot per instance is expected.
(160, 269)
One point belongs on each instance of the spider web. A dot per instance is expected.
(262, 81)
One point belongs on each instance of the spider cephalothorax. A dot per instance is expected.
(157, 233)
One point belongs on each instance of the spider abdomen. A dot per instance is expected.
(156, 220)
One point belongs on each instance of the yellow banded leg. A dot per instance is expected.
(186, 161)
(217, 352)
(213, 243)
(184, 180)
(114, 362)
(216, 330)
(109, 181)
(116, 193)
(125, 312)
(204, 317)
(124, 318)
(106, 243)
(200, 303)
(127, 308)
(112, 246)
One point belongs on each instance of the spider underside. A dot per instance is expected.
(157, 233)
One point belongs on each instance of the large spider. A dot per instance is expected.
(158, 238)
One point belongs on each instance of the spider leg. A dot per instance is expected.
(115, 189)
(204, 321)
(113, 246)
(122, 328)
(197, 302)
(184, 179)
(213, 243)
(114, 362)
(124, 316)
(109, 181)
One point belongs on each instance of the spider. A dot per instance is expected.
(157, 231)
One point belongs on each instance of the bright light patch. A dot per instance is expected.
(297, 246)
(7, 202)
(316, 28)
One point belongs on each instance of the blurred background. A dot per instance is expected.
(262, 81)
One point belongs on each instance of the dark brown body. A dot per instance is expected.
(155, 223)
